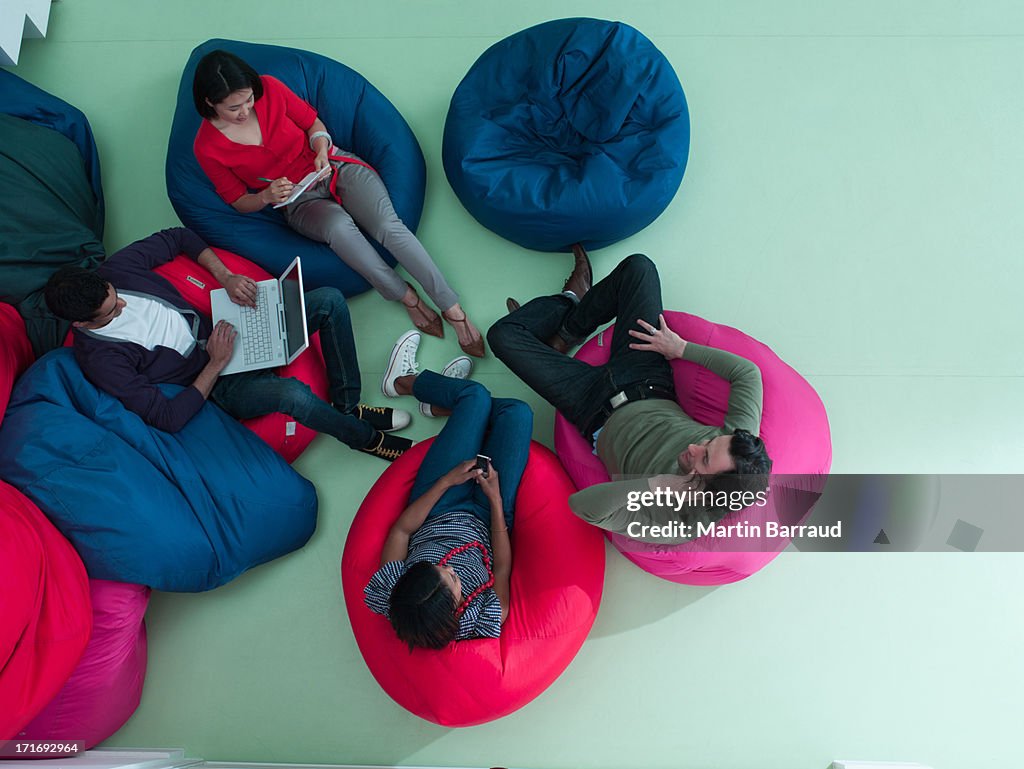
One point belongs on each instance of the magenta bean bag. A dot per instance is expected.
(795, 430)
(557, 578)
(106, 686)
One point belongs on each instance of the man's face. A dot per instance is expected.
(110, 308)
(708, 458)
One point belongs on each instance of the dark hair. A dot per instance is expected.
(75, 293)
(422, 608)
(219, 74)
(753, 465)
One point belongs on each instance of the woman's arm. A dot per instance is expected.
(321, 144)
(501, 547)
(396, 546)
(277, 191)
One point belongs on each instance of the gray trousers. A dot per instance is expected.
(365, 203)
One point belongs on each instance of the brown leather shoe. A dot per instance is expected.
(512, 305)
(424, 318)
(582, 277)
(475, 345)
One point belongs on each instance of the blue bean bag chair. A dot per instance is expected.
(184, 511)
(572, 131)
(359, 118)
(47, 154)
(23, 100)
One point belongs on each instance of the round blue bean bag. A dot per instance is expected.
(572, 131)
(359, 118)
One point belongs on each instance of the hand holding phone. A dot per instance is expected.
(483, 462)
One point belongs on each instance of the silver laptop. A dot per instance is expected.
(273, 333)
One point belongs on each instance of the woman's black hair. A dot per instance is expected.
(423, 608)
(219, 74)
(75, 293)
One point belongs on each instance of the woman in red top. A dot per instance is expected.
(255, 129)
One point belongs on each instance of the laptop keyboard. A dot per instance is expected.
(256, 341)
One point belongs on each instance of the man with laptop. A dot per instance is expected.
(134, 331)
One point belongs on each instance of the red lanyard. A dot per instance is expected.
(487, 565)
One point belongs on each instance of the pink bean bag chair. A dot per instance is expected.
(557, 578)
(106, 686)
(795, 430)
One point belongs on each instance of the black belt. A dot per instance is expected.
(635, 392)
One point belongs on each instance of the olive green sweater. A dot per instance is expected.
(645, 438)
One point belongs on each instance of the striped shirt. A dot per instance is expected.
(437, 537)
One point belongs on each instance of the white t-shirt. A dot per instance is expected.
(150, 324)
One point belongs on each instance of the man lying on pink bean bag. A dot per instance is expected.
(678, 413)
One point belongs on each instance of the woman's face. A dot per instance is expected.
(451, 580)
(236, 106)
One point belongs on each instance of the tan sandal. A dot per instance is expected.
(475, 347)
(429, 322)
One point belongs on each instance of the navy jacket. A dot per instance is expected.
(129, 371)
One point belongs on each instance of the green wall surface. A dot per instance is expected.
(852, 199)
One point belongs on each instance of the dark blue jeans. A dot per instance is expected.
(499, 428)
(577, 389)
(255, 393)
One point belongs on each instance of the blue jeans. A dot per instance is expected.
(575, 388)
(255, 393)
(499, 428)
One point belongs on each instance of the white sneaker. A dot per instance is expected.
(460, 368)
(402, 362)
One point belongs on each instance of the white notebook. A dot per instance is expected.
(307, 181)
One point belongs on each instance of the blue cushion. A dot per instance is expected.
(183, 511)
(359, 119)
(572, 131)
(24, 100)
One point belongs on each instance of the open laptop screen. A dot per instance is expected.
(296, 339)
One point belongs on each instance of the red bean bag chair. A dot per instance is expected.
(106, 686)
(45, 611)
(15, 352)
(795, 430)
(557, 578)
(281, 432)
(286, 436)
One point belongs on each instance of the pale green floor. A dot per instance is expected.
(852, 199)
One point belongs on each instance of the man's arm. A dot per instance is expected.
(114, 371)
(746, 392)
(241, 289)
(159, 248)
(626, 508)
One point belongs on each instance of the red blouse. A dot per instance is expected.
(284, 121)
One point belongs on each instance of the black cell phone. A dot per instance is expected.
(483, 462)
